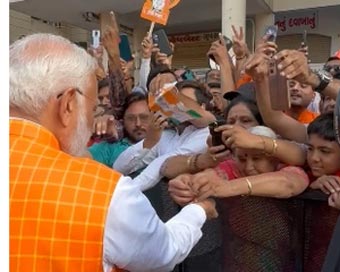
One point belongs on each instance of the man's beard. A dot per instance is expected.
(78, 140)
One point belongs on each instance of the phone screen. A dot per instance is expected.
(304, 38)
(216, 136)
(271, 33)
(160, 38)
(95, 38)
(124, 48)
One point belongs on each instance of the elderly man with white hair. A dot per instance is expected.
(69, 213)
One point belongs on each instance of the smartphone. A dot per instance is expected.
(271, 33)
(188, 75)
(278, 88)
(216, 136)
(95, 38)
(228, 44)
(124, 48)
(304, 38)
(160, 38)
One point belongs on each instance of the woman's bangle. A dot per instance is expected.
(194, 162)
(250, 187)
(264, 145)
(189, 162)
(274, 147)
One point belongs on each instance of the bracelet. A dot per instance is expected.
(241, 58)
(274, 147)
(189, 162)
(250, 187)
(264, 145)
(194, 162)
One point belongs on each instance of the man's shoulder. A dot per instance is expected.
(92, 168)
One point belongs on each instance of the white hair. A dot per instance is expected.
(42, 66)
(263, 131)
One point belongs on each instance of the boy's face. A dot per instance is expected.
(323, 156)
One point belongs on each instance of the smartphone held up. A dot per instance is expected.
(160, 38)
(278, 84)
(216, 137)
(95, 38)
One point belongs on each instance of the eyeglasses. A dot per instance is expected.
(131, 118)
(98, 111)
(329, 68)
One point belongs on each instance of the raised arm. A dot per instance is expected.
(219, 51)
(117, 84)
(294, 65)
(281, 123)
(241, 51)
(287, 152)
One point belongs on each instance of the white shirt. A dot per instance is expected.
(191, 141)
(136, 239)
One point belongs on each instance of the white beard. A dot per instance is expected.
(78, 140)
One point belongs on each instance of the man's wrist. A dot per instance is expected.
(313, 80)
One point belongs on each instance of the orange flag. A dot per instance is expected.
(173, 3)
(156, 11)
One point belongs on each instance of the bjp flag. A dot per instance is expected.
(156, 11)
(173, 3)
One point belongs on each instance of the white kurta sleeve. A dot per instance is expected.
(134, 158)
(151, 175)
(137, 240)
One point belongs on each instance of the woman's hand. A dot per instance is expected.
(239, 137)
(216, 154)
(180, 190)
(206, 184)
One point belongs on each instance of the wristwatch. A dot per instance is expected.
(324, 77)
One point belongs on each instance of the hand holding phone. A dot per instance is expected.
(278, 88)
(160, 38)
(228, 43)
(271, 33)
(216, 137)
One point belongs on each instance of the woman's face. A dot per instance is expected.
(323, 156)
(252, 162)
(242, 116)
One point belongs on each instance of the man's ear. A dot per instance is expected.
(67, 106)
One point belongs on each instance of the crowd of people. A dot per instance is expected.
(85, 146)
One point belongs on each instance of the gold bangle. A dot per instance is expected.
(264, 145)
(274, 147)
(250, 187)
(194, 162)
(189, 162)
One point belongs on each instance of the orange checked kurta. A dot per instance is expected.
(58, 204)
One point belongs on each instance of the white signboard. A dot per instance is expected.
(293, 22)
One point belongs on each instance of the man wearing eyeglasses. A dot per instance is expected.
(332, 66)
(136, 122)
(69, 213)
